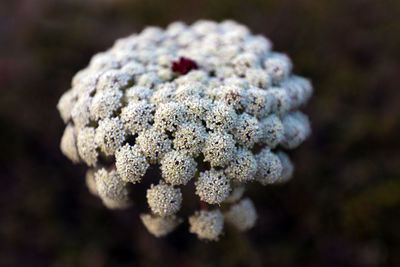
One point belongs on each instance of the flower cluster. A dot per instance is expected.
(210, 105)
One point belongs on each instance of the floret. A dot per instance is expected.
(204, 27)
(80, 113)
(197, 108)
(160, 226)
(287, 166)
(153, 144)
(163, 199)
(298, 89)
(178, 168)
(242, 215)
(102, 62)
(150, 79)
(219, 148)
(271, 131)
(68, 144)
(269, 167)
(116, 79)
(175, 28)
(236, 193)
(207, 225)
(212, 186)
(188, 90)
(281, 101)
(232, 95)
(165, 74)
(243, 62)
(164, 94)
(296, 128)
(169, 116)
(110, 135)
(184, 65)
(278, 66)
(91, 182)
(116, 204)
(190, 138)
(247, 131)
(138, 93)
(243, 167)
(259, 102)
(221, 117)
(258, 77)
(131, 164)
(258, 45)
(110, 186)
(134, 68)
(87, 147)
(137, 116)
(66, 103)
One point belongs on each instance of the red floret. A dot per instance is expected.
(184, 65)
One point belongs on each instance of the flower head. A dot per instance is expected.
(207, 105)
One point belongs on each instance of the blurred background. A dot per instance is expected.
(341, 209)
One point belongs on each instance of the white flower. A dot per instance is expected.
(207, 104)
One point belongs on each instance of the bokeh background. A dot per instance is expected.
(341, 209)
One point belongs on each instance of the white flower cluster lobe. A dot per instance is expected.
(208, 102)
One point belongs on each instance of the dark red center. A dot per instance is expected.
(184, 65)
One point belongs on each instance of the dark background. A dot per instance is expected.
(341, 209)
